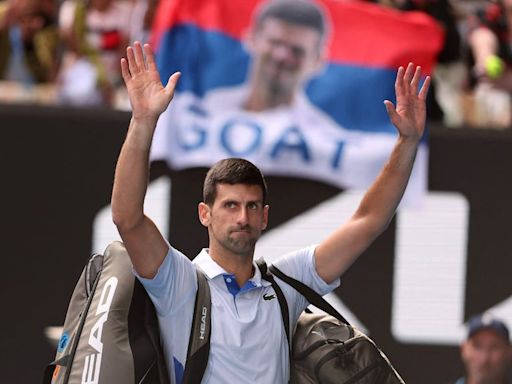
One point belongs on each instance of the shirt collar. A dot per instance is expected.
(211, 269)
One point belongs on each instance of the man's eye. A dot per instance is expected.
(253, 206)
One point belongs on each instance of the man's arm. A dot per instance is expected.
(340, 250)
(144, 242)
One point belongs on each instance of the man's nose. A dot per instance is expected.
(243, 216)
(284, 53)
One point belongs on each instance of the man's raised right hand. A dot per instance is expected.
(148, 97)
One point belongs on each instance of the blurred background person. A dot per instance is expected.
(486, 352)
(95, 33)
(490, 62)
(143, 13)
(28, 41)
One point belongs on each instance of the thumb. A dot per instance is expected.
(173, 81)
(392, 113)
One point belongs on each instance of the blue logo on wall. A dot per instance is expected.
(63, 342)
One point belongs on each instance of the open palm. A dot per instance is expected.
(410, 112)
(148, 97)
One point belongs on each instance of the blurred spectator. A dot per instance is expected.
(486, 352)
(28, 41)
(490, 62)
(142, 19)
(96, 33)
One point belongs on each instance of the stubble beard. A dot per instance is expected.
(240, 246)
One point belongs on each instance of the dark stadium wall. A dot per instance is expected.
(58, 166)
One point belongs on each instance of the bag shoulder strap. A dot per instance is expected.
(199, 341)
(265, 274)
(311, 295)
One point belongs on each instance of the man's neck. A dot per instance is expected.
(238, 265)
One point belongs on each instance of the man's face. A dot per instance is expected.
(236, 218)
(285, 55)
(29, 18)
(486, 356)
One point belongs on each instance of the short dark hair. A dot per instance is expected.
(306, 13)
(232, 171)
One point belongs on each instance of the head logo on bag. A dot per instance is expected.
(92, 365)
(202, 330)
(63, 342)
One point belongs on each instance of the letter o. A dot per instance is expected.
(230, 127)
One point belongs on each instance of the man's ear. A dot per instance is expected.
(320, 63)
(248, 40)
(510, 354)
(265, 217)
(464, 351)
(203, 210)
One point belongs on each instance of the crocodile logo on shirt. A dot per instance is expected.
(269, 296)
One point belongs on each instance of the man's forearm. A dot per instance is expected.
(380, 202)
(132, 173)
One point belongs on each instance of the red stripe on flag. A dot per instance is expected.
(226, 16)
(361, 33)
(371, 35)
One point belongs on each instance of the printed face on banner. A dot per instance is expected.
(284, 57)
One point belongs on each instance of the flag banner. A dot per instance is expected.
(297, 87)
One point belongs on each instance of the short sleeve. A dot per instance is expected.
(173, 284)
(301, 266)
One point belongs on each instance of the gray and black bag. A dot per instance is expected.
(110, 334)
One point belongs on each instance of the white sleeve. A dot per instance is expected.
(173, 284)
(301, 266)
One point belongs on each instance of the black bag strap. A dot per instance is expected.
(265, 274)
(311, 295)
(199, 341)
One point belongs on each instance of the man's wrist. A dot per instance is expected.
(409, 140)
(146, 120)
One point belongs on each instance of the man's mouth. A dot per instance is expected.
(241, 230)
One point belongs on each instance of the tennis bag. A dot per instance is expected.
(326, 348)
(110, 333)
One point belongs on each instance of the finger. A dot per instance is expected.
(424, 89)
(150, 57)
(409, 72)
(139, 56)
(125, 72)
(399, 80)
(173, 81)
(416, 79)
(131, 60)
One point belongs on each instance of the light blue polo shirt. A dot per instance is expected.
(248, 342)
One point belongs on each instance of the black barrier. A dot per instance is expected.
(57, 168)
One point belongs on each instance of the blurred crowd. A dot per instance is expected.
(473, 77)
(67, 52)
